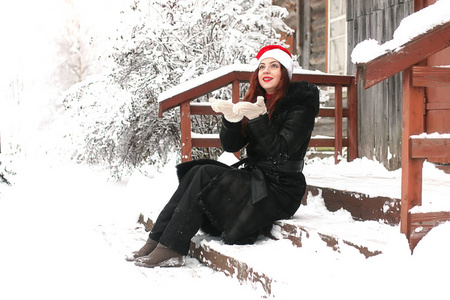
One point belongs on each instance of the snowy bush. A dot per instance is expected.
(170, 42)
(6, 173)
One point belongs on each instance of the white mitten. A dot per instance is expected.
(226, 108)
(251, 110)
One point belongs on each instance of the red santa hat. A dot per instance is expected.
(278, 52)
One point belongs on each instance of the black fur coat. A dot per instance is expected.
(240, 202)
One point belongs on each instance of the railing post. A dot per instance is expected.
(186, 142)
(337, 122)
(413, 124)
(352, 122)
(235, 97)
(235, 91)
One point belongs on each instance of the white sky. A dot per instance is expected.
(28, 27)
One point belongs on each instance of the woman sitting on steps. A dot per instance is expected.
(274, 122)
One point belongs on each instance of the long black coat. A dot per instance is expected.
(240, 202)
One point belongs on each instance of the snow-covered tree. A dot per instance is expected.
(77, 56)
(171, 41)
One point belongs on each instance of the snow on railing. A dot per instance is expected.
(210, 76)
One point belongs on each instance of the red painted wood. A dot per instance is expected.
(438, 106)
(413, 124)
(202, 110)
(205, 142)
(431, 76)
(318, 142)
(410, 54)
(186, 143)
(235, 91)
(422, 223)
(352, 122)
(430, 148)
(328, 112)
(337, 123)
(243, 76)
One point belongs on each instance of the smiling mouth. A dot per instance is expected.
(267, 79)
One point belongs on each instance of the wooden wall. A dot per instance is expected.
(312, 34)
(379, 107)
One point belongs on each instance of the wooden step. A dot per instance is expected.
(362, 207)
(296, 232)
(216, 258)
(422, 223)
(233, 260)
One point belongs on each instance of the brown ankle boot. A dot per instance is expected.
(161, 257)
(149, 246)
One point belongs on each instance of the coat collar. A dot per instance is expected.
(300, 93)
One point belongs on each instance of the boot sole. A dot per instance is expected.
(169, 263)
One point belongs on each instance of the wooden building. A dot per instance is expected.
(380, 107)
(423, 61)
(326, 33)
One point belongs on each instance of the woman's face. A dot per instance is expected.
(269, 74)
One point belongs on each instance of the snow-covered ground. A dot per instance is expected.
(65, 231)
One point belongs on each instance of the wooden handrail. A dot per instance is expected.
(183, 94)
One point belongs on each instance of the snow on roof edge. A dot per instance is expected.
(410, 27)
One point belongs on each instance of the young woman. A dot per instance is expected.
(274, 122)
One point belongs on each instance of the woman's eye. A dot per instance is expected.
(274, 66)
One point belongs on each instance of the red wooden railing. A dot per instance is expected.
(235, 75)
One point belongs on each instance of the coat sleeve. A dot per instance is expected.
(294, 132)
(231, 137)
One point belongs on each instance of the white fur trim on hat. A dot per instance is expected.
(279, 53)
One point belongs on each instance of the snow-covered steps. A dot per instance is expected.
(265, 263)
(297, 232)
(423, 222)
(274, 264)
(213, 253)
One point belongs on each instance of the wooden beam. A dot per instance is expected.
(419, 4)
(206, 142)
(422, 223)
(325, 79)
(408, 55)
(431, 76)
(430, 148)
(318, 142)
(186, 142)
(328, 112)
(315, 142)
(202, 110)
(244, 76)
(337, 123)
(235, 91)
(352, 123)
(437, 105)
(413, 124)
